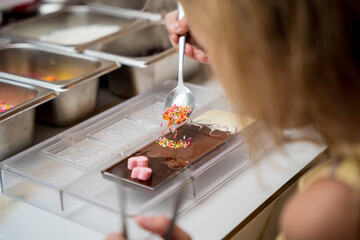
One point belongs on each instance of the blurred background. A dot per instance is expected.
(92, 54)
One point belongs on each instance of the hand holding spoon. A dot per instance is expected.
(181, 95)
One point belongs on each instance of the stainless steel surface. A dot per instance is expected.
(105, 100)
(50, 6)
(4, 41)
(60, 1)
(76, 75)
(147, 59)
(148, 9)
(141, 47)
(133, 4)
(181, 95)
(71, 106)
(17, 123)
(29, 63)
(72, 16)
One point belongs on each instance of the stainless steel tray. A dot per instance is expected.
(143, 8)
(76, 78)
(50, 6)
(140, 47)
(147, 58)
(32, 29)
(17, 123)
(29, 63)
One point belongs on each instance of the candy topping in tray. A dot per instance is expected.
(49, 78)
(4, 106)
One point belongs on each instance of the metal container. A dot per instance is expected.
(38, 29)
(142, 7)
(4, 41)
(147, 58)
(75, 75)
(17, 123)
(123, 4)
(50, 6)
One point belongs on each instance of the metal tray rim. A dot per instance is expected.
(42, 95)
(141, 62)
(6, 31)
(60, 86)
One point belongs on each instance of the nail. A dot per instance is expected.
(187, 48)
(200, 56)
(174, 26)
(142, 220)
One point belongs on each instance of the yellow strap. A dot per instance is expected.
(348, 171)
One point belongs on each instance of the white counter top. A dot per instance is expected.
(213, 218)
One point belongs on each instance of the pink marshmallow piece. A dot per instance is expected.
(139, 161)
(141, 173)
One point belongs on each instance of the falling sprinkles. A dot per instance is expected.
(174, 115)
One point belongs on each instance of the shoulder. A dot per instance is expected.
(326, 209)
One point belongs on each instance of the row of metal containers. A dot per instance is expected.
(53, 62)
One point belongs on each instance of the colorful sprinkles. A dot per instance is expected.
(5, 106)
(49, 78)
(164, 142)
(174, 115)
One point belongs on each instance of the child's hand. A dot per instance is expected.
(158, 225)
(115, 236)
(177, 28)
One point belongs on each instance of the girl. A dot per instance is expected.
(290, 64)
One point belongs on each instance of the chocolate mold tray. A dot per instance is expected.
(60, 160)
(152, 112)
(123, 132)
(94, 145)
(48, 175)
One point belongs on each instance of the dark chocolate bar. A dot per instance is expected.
(165, 162)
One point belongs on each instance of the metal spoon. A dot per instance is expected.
(181, 95)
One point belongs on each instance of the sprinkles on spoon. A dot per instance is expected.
(174, 115)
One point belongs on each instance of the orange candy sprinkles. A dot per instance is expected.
(174, 115)
(49, 78)
(164, 142)
(5, 106)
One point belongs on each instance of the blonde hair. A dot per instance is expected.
(289, 63)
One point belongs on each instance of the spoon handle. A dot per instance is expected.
(182, 39)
